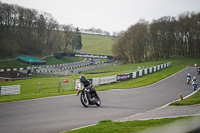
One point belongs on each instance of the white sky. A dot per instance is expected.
(108, 15)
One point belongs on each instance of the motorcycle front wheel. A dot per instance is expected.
(84, 99)
(98, 102)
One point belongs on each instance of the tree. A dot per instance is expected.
(79, 39)
(161, 38)
(132, 46)
(70, 37)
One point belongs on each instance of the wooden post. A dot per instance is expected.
(39, 87)
(59, 86)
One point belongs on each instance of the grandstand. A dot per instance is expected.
(31, 60)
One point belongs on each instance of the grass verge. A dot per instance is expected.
(194, 99)
(108, 126)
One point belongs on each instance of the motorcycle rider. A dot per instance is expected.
(188, 77)
(194, 81)
(87, 85)
(198, 70)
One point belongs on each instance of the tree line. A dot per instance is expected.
(95, 31)
(161, 38)
(28, 31)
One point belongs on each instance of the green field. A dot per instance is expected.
(96, 44)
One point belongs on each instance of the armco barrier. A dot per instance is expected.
(123, 77)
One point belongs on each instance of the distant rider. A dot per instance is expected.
(198, 70)
(87, 85)
(188, 76)
(194, 80)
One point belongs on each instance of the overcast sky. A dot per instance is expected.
(109, 15)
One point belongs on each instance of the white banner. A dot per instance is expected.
(77, 86)
(104, 80)
(10, 90)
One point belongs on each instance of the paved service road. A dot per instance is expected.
(56, 114)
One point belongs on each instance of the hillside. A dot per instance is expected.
(93, 44)
(97, 44)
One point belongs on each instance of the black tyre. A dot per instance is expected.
(98, 102)
(84, 100)
(194, 88)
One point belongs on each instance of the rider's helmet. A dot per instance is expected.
(194, 79)
(82, 79)
(188, 74)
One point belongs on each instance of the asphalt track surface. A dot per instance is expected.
(57, 114)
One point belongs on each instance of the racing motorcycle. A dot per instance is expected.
(194, 85)
(188, 79)
(198, 71)
(87, 97)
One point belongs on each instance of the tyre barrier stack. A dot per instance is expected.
(13, 69)
(51, 68)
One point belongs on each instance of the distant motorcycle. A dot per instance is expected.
(194, 85)
(188, 79)
(88, 98)
(198, 71)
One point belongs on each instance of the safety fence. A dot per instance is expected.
(126, 76)
(64, 83)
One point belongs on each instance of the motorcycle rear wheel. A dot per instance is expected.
(194, 88)
(84, 100)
